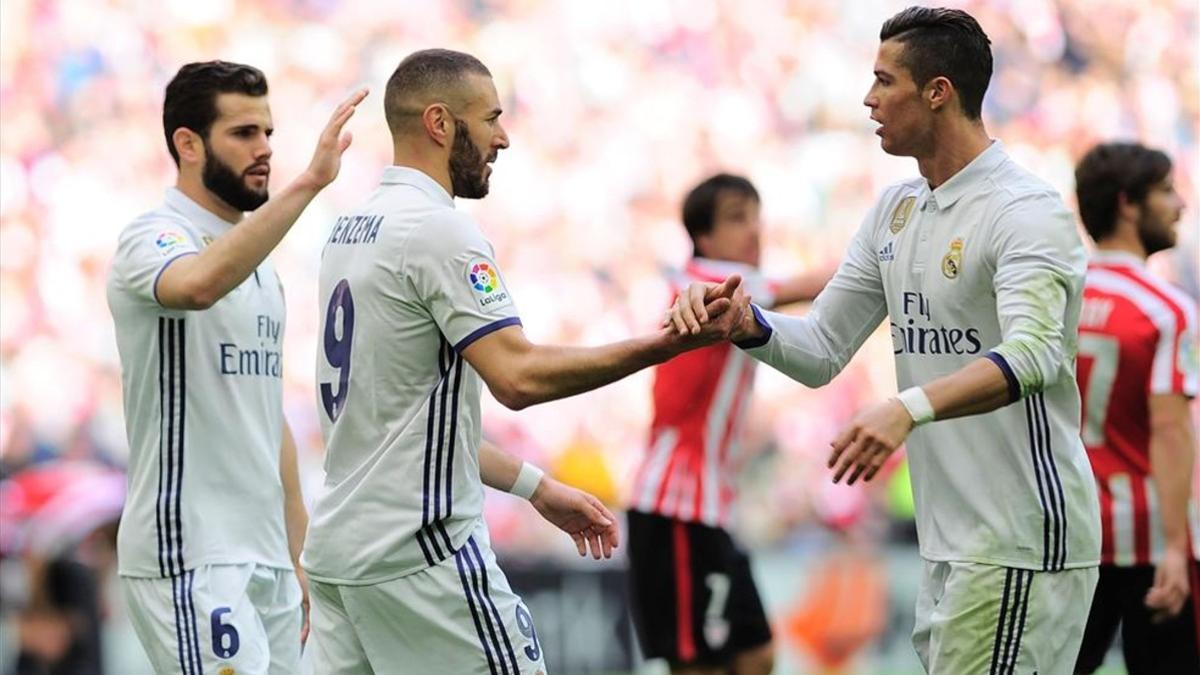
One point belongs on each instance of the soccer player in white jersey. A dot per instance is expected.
(1138, 373)
(417, 317)
(212, 529)
(979, 267)
(694, 601)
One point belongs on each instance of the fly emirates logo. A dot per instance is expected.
(916, 332)
(263, 359)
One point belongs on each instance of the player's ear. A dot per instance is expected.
(938, 92)
(1127, 209)
(189, 145)
(438, 123)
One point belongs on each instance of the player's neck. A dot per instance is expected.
(193, 188)
(954, 147)
(1119, 244)
(436, 168)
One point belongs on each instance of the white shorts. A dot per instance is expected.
(219, 619)
(458, 617)
(991, 620)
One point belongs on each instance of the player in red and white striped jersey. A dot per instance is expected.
(1138, 371)
(695, 602)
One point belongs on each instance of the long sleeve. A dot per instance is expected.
(814, 348)
(1039, 268)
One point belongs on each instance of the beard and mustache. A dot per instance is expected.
(467, 165)
(1155, 232)
(228, 185)
(468, 177)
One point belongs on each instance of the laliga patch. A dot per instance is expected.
(169, 241)
(488, 289)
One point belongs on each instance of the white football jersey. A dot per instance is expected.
(406, 283)
(203, 406)
(990, 265)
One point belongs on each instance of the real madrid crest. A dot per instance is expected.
(900, 216)
(952, 261)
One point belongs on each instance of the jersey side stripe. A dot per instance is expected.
(454, 398)
(162, 399)
(1048, 449)
(167, 517)
(459, 557)
(181, 639)
(182, 347)
(488, 597)
(1008, 575)
(1037, 473)
(191, 576)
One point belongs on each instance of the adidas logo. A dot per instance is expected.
(888, 252)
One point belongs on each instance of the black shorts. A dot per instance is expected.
(1168, 647)
(693, 598)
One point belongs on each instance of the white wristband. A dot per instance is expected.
(527, 481)
(917, 404)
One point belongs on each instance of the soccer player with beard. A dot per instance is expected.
(1138, 372)
(980, 268)
(417, 317)
(212, 529)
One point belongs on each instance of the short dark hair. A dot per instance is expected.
(1110, 170)
(948, 43)
(426, 75)
(191, 99)
(700, 205)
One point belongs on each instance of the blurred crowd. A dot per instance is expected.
(614, 109)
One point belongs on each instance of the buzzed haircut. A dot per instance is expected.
(700, 205)
(191, 98)
(1105, 173)
(947, 43)
(426, 77)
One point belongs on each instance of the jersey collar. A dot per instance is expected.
(1101, 257)
(404, 175)
(970, 175)
(197, 215)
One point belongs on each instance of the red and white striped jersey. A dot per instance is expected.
(1137, 338)
(700, 403)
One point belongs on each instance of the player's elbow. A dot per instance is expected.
(188, 295)
(513, 394)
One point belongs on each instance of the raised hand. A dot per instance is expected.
(580, 515)
(327, 158)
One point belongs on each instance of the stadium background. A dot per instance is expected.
(614, 110)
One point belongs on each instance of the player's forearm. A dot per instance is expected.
(976, 388)
(1172, 456)
(497, 468)
(197, 282)
(802, 288)
(546, 373)
(794, 346)
(295, 515)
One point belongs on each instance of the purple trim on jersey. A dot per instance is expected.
(154, 288)
(761, 340)
(1014, 387)
(453, 435)
(482, 331)
(460, 559)
(191, 576)
(512, 656)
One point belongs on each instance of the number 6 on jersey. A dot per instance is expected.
(337, 351)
